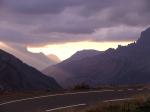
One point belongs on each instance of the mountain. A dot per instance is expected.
(122, 66)
(84, 54)
(16, 75)
(37, 60)
(54, 58)
(55, 71)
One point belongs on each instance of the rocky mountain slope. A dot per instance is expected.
(16, 75)
(122, 66)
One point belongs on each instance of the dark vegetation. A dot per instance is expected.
(139, 104)
(81, 86)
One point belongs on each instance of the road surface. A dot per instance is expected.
(51, 103)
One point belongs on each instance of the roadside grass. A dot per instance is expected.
(140, 103)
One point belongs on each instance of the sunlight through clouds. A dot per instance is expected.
(63, 51)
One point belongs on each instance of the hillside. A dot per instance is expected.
(56, 71)
(37, 60)
(16, 75)
(122, 66)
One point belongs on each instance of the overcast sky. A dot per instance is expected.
(51, 21)
(46, 22)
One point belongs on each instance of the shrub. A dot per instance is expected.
(81, 86)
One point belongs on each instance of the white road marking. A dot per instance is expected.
(130, 89)
(59, 108)
(53, 95)
(71, 106)
(120, 90)
(139, 89)
(118, 100)
(39, 97)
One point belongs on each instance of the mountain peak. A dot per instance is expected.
(54, 58)
(144, 39)
(85, 53)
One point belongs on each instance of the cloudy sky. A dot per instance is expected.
(61, 26)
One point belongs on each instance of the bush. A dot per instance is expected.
(137, 105)
(81, 86)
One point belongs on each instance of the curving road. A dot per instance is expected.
(51, 103)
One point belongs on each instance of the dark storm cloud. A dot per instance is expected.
(39, 6)
(51, 21)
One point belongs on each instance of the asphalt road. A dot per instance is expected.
(50, 103)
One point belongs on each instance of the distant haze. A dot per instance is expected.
(64, 51)
(37, 60)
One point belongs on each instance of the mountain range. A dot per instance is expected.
(60, 74)
(122, 66)
(37, 60)
(16, 76)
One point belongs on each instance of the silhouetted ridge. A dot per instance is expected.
(84, 54)
(122, 66)
(16, 75)
(144, 40)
